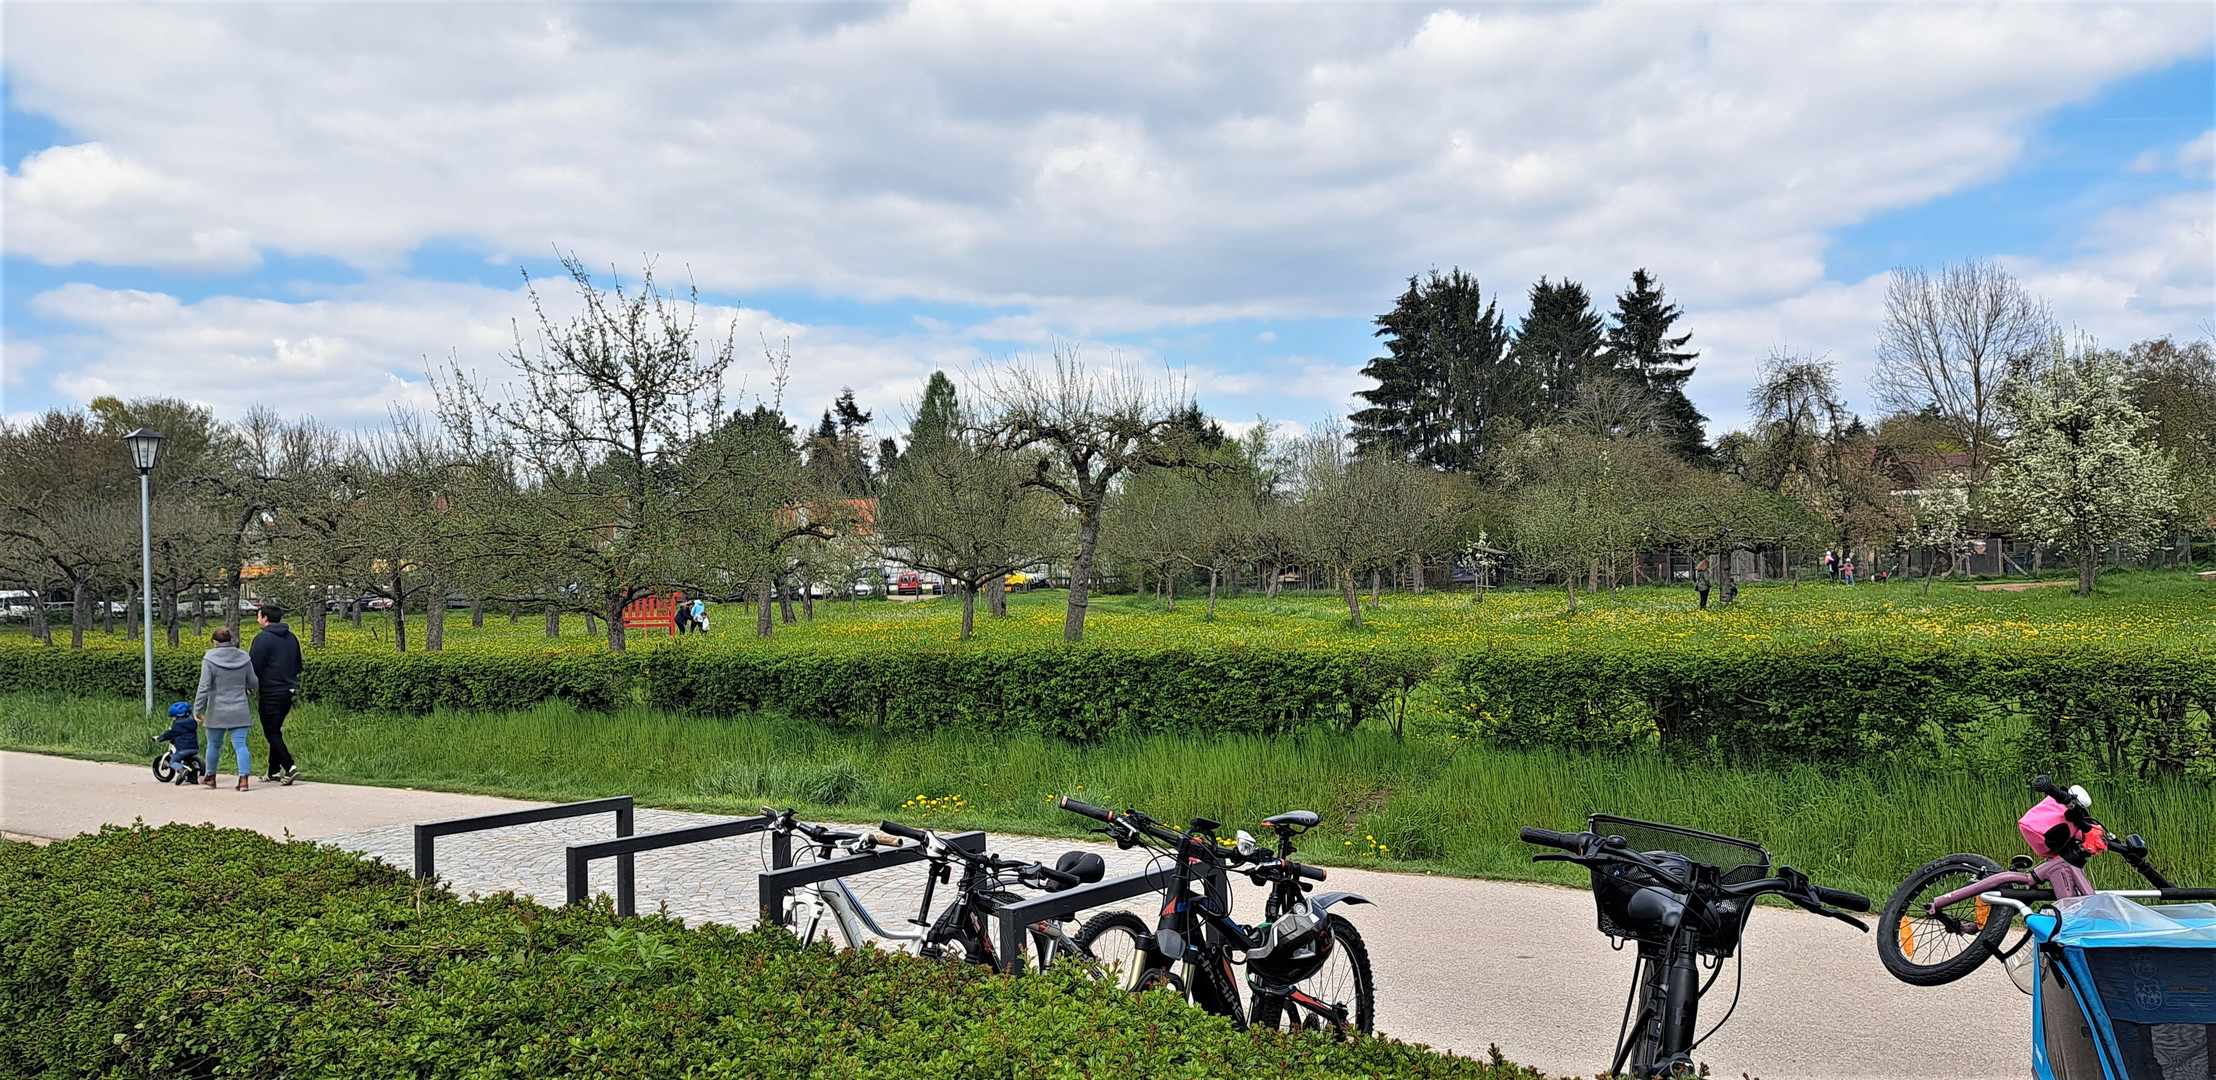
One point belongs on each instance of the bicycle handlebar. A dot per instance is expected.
(1312, 873)
(1086, 809)
(904, 832)
(1840, 898)
(1572, 842)
(2045, 786)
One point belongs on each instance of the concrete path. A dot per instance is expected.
(1460, 964)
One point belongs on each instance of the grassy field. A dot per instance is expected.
(1431, 803)
(2130, 608)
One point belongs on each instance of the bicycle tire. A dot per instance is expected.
(1121, 923)
(163, 770)
(1270, 1010)
(1901, 932)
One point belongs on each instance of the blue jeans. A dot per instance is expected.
(238, 746)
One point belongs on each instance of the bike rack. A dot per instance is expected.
(578, 857)
(426, 833)
(777, 885)
(1016, 918)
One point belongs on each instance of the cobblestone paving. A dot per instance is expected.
(711, 881)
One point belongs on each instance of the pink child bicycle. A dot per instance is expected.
(1938, 926)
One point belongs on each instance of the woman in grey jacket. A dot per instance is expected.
(221, 706)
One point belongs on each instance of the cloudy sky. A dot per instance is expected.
(298, 204)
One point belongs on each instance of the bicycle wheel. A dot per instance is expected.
(1116, 940)
(1932, 949)
(163, 770)
(1342, 984)
(952, 938)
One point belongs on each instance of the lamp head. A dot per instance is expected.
(146, 448)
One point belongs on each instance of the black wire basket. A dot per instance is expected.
(1731, 860)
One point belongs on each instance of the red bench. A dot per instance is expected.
(650, 612)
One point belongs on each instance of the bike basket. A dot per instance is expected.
(1736, 861)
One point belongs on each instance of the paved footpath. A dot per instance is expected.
(1460, 964)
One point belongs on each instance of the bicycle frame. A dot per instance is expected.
(849, 912)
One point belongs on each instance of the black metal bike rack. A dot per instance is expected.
(579, 857)
(1016, 918)
(426, 833)
(776, 886)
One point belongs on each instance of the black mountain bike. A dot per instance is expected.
(1682, 895)
(964, 932)
(1306, 966)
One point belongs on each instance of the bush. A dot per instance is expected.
(193, 951)
(2143, 710)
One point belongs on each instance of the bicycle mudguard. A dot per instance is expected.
(1320, 901)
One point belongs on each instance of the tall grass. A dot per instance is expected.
(1425, 804)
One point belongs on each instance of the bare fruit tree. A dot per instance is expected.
(964, 508)
(1949, 342)
(600, 424)
(1079, 430)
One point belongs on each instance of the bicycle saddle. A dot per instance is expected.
(1300, 819)
(1086, 866)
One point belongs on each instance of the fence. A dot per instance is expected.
(427, 834)
(578, 858)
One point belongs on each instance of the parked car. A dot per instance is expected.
(909, 583)
(1018, 581)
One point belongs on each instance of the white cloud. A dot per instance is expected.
(1092, 169)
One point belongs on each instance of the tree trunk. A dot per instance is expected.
(354, 611)
(1270, 582)
(592, 624)
(169, 614)
(1374, 581)
(399, 622)
(434, 621)
(1569, 587)
(785, 601)
(477, 613)
(39, 630)
(130, 613)
(1081, 571)
(615, 622)
(317, 617)
(1415, 574)
(969, 611)
(199, 612)
(232, 593)
(553, 621)
(996, 596)
(765, 620)
(808, 596)
(2089, 569)
(514, 611)
(79, 617)
(1169, 591)
(1212, 575)
(1353, 596)
(107, 614)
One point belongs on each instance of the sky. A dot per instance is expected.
(306, 206)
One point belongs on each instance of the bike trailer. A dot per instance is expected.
(2124, 991)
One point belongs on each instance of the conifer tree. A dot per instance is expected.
(1641, 347)
(1445, 383)
(1559, 343)
(938, 416)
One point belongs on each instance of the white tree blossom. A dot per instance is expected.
(2078, 473)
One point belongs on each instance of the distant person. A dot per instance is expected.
(680, 616)
(1701, 582)
(276, 656)
(221, 705)
(1831, 565)
(699, 615)
(1846, 571)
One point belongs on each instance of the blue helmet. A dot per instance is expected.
(180, 710)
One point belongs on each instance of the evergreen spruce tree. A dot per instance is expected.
(1445, 382)
(938, 417)
(1640, 347)
(1559, 344)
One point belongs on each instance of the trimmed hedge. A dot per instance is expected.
(2124, 710)
(193, 951)
(1081, 692)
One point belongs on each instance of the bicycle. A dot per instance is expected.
(1682, 895)
(1938, 926)
(812, 904)
(963, 932)
(1307, 967)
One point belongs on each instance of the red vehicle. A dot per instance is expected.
(909, 583)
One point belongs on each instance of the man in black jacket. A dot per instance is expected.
(276, 659)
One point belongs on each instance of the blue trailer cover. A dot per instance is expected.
(2152, 972)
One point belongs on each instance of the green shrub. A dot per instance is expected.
(193, 951)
